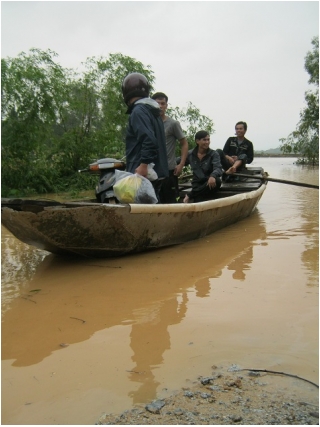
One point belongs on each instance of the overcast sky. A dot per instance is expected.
(233, 60)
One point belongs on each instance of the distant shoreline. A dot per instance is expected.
(275, 155)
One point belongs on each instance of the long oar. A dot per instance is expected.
(281, 181)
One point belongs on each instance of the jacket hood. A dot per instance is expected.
(148, 101)
(145, 101)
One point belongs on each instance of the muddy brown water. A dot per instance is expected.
(81, 337)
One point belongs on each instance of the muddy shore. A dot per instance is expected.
(229, 396)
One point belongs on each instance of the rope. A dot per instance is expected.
(280, 373)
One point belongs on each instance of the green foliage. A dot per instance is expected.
(56, 121)
(312, 62)
(31, 89)
(304, 141)
(191, 121)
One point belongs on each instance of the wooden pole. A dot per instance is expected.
(281, 181)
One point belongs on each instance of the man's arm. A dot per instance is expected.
(143, 129)
(184, 154)
(250, 154)
(216, 166)
(217, 170)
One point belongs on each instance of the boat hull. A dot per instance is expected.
(103, 230)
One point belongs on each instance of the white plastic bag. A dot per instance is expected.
(152, 174)
(134, 188)
(120, 174)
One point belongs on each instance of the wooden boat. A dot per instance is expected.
(94, 229)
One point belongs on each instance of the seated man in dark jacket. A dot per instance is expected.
(145, 137)
(206, 169)
(237, 152)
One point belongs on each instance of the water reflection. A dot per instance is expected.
(147, 291)
(241, 264)
(202, 287)
(150, 338)
(18, 265)
(309, 207)
(291, 204)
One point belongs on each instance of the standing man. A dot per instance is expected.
(145, 138)
(170, 188)
(238, 150)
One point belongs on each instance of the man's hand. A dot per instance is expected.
(142, 169)
(211, 182)
(178, 169)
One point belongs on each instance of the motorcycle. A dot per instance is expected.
(105, 168)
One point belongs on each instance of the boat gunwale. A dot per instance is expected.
(154, 208)
(197, 207)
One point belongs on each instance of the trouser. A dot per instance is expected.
(225, 162)
(157, 184)
(170, 189)
(203, 193)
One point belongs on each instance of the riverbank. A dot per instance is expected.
(229, 397)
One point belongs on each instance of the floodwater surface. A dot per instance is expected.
(82, 336)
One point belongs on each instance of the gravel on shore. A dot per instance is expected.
(229, 397)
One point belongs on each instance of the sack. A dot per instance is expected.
(134, 188)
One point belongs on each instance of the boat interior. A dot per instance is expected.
(229, 187)
(232, 185)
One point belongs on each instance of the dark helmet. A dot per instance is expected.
(135, 84)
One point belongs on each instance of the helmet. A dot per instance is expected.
(135, 84)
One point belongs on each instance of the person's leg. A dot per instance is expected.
(223, 160)
(235, 167)
(204, 193)
(168, 189)
(157, 184)
(176, 187)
